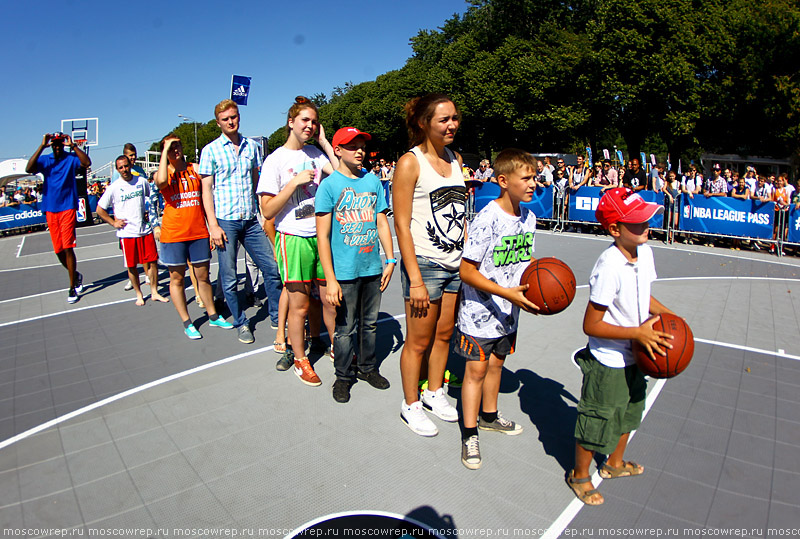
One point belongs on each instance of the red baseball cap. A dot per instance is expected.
(346, 134)
(621, 205)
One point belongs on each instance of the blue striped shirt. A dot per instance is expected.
(234, 196)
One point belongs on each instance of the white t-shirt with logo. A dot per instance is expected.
(129, 198)
(503, 245)
(624, 288)
(297, 216)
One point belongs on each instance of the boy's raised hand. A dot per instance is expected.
(516, 295)
(652, 340)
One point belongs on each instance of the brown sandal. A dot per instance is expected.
(628, 469)
(583, 495)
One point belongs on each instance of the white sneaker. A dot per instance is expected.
(129, 286)
(436, 403)
(416, 420)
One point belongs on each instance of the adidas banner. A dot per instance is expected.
(20, 216)
(240, 89)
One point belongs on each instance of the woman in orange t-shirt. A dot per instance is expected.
(184, 234)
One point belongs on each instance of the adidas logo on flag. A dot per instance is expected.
(241, 91)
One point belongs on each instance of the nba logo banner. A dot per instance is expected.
(240, 89)
(81, 213)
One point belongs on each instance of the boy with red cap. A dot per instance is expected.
(348, 251)
(620, 310)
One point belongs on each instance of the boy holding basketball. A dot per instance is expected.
(620, 310)
(499, 246)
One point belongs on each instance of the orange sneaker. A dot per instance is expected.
(304, 371)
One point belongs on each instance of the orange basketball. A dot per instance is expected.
(677, 358)
(551, 284)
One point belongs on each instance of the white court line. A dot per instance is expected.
(58, 264)
(566, 517)
(655, 244)
(74, 249)
(110, 231)
(34, 318)
(213, 263)
(133, 391)
(19, 249)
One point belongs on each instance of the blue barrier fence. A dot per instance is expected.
(794, 225)
(541, 204)
(719, 216)
(584, 201)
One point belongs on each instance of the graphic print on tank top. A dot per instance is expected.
(303, 196)
(448, 206)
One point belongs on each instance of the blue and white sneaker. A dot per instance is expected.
(79, 282)
(192, 333)
(220, 323)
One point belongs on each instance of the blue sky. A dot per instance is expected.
(137, 65)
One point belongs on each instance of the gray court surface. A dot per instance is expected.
(113, 423)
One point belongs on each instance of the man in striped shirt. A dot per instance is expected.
(229, 172)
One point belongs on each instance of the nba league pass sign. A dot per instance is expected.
(240, 89)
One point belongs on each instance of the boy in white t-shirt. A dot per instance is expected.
(128, 196)
(620, 310)
(499, 246)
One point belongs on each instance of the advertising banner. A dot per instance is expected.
(485, 193)
(794, 225)
(542, 203)
(584, 201)
(582, 204)
(20, 216)
(240, 89)
(728, 216)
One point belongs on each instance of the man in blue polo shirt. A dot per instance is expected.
(60, 199)
(229, 172)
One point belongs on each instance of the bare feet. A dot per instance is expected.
(139, 300)
(158, 297)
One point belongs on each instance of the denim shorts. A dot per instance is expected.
(177, 253)
(437, 279)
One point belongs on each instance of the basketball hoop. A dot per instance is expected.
(80, 142)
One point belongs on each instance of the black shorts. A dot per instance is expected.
(479, 349)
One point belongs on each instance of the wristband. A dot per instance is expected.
(391, 261)
(417, 286)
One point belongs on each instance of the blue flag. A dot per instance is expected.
(240, 89)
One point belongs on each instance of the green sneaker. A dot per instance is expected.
(451, 379)
(220, 323)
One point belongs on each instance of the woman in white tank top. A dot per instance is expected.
(429, 199)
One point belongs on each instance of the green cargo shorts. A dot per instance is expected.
(612, 403)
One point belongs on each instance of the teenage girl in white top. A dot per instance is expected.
(429, 201)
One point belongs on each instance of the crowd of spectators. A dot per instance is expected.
(21, 195)
(719, 182)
